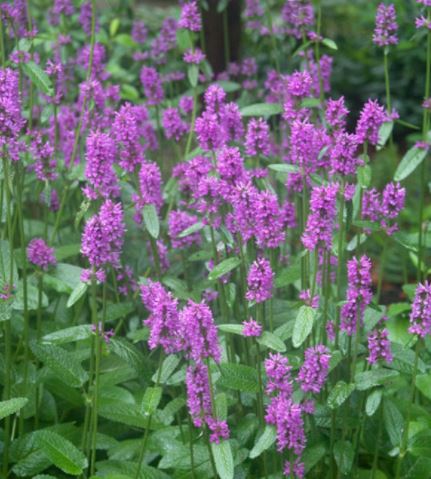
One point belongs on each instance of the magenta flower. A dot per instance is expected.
(251, 328)
(278, 373)
(420, 316)
(386, 29)
(257, 141)
(298, 16)
(320, 222)
(40, 254)
(199, 332)
(314, 371)
(371, 118)
(219, 430)
(198, 393)
(194, 56)
(209, 132)
(214, 98)
(178, 221)
(359, 294)
(190, 18)
(336, 113)
(163, 321)
(139, 31)
(343, 155)
(175, 127)
(152, 84)
(379, 346)
(259, 281)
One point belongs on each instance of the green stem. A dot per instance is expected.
(405, 436)
(376, 448)
(382, 270)
(192, 123)
(340, 264)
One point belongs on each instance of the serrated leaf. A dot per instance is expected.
(239, 377)
(223, 268)
(262, 109)
(420, 444)
(61, 452)
(339, 393)
(264, 442)
(303, 325)
(312, 456)
(68, 335)
(11, 406)
(223, 459)
(411, 160)
(373, 401)
(271, 341)
(394, 422)
(288, 276)
(344, 455)
(62, 363)
(168, 367)
(40, 79)
(77, 294)
(127, 351)
(151, 400)
(376, 377)
(151, 220)
(423, 383)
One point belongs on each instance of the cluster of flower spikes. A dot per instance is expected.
(102, 240)
(282, 411)
(193, 332)
(420, 316)
(384, 207)
(40, 254)
(11, 120)
(359, 294)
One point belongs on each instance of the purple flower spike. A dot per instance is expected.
(40, 254)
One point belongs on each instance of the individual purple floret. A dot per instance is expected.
(371, 118)
(199, 332)
(257, 141)
(420, 316)
(320, 222)
(152, 84)
(179, 221)
(386, 29)
(314, 371)
(379, 346)
(190, 18)
(40, 254)
(198, 393)
(251, 328)
(259, 281)
(163, 321)
(359, 294)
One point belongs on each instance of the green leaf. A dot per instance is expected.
(364, 176)
(310, 102)
(344, 455)
(168, 367)
(303, 325)
(123, 413)
(221, 6)
(151, 220)
(423, 383)
(384, 133)
(223, 459)
(184, 40)
(394, 422)
(376, 377)
(191, 229)
(229, 86)
(373, 401)
(127, 351)
(38, 77)
(125, 40)
(329, 43)
(262, 109)
(339, 393)
(420, 444)
(223, 268)
(265, 441)
(312, 456)
(283, 168)
(113, 26)
(239, 377)
(7, 264)
(11, 406)
(129, 92)
(271, 341)
(77, 294)
(151, 400)
(61, 452)
(231, 328)
(411, 160)
(288, 276)
(62, 363)
(68, 335)
(193, 75)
